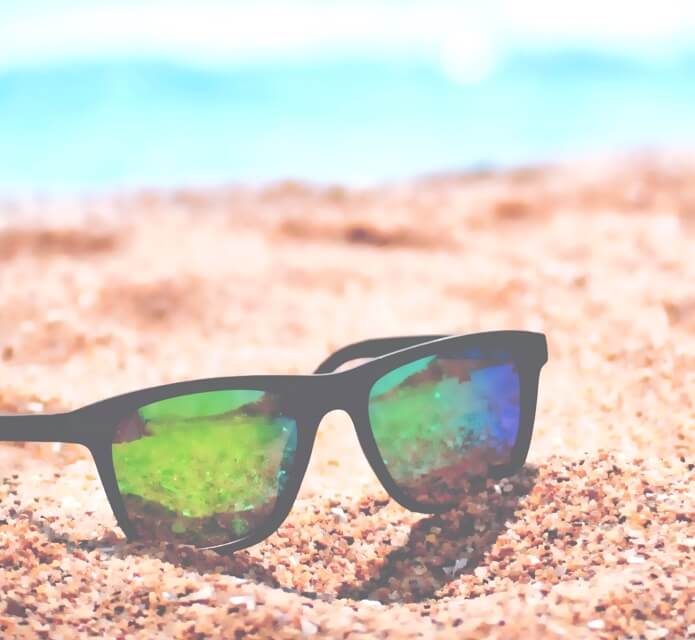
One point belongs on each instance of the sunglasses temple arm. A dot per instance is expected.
(46, 427)
(371, 349)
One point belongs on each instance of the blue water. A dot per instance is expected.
(86, 126)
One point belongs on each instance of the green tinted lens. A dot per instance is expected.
(205, 468)
(440, 422)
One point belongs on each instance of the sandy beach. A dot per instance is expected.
(594, 539)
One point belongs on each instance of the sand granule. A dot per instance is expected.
(594, 539)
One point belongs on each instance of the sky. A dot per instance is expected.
(469, 38)
(129, 92)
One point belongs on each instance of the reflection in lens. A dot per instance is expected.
(205, 468)
(440, 423)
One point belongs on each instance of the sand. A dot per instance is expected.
(594, 539)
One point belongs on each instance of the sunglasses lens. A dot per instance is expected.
(440, 422)
(206, 468)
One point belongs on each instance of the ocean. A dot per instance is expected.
(90, 126)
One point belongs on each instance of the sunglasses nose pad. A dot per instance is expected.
(288, 456)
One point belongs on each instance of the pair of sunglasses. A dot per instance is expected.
(218, 463)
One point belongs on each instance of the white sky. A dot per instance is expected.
(468, 36)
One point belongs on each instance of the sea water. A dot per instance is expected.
(146, 122)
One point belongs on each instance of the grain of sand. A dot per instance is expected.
(594, 539)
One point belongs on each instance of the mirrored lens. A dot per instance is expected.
(205, 468)
(441, 422)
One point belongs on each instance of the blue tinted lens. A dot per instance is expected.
(440, 422)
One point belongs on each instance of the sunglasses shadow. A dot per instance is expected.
(439, 549)
(113, 546)
(444, 547)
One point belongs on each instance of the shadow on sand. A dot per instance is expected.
(439, 549)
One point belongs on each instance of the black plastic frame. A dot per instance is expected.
(306, 399)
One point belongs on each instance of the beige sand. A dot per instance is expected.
(596, 539)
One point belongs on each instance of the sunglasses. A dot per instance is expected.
(218, 463)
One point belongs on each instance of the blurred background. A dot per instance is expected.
(107, 94)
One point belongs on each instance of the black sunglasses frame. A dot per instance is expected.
(306, 399)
